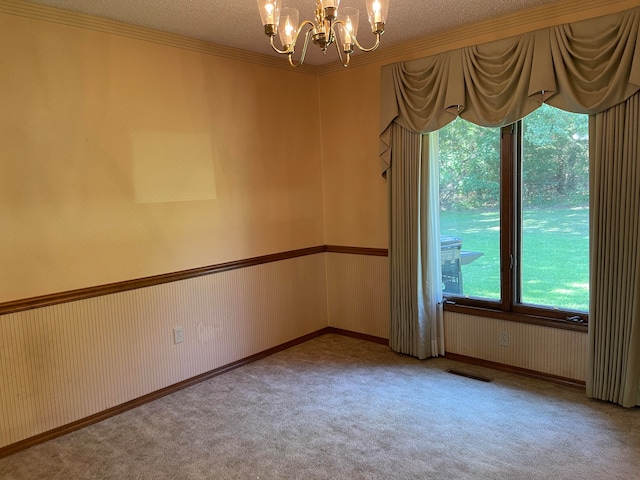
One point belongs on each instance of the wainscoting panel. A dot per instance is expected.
(358, 293)
(62, 363)
(533, 347)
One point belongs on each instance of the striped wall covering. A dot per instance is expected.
(358, 293)
(358, 300)
(66, 362)
(533, 347)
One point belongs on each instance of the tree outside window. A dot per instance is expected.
(515, 203)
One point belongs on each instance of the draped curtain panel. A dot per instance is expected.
(417, 325)
(584, 67)
(614, 337)
(403, 242)
(430, 299)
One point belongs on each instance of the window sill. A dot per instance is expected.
(517, 317)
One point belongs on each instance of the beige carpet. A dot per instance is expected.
(341, 408)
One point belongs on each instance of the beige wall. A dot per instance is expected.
(124, 158)
(355, 191)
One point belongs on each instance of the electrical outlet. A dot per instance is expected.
(503, 339)
(178, 335)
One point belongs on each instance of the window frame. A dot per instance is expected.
(509, 307)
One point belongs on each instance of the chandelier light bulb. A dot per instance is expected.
(377, 16)
(377, 11)
(288, 29)
(269, 8)
(348, 31)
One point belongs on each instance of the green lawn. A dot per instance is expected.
(555, 255)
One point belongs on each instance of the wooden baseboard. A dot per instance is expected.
(361, 336)
(569, 382)
(100, 416)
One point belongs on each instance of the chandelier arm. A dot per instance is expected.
(371, 49)
(312, 27)
(348, 55)
(287, 51)
(304, 49)
(292, 47)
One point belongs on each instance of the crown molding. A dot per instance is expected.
(89, 22)
(564, 11)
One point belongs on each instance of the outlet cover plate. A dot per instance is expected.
(178, 335)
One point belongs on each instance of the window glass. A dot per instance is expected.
(554, 268)
(470, 210)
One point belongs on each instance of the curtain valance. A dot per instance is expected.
(583, 67)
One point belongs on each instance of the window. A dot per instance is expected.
(514, 214)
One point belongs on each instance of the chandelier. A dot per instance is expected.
(332, 25)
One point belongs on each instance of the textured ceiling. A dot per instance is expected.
(237, 22)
